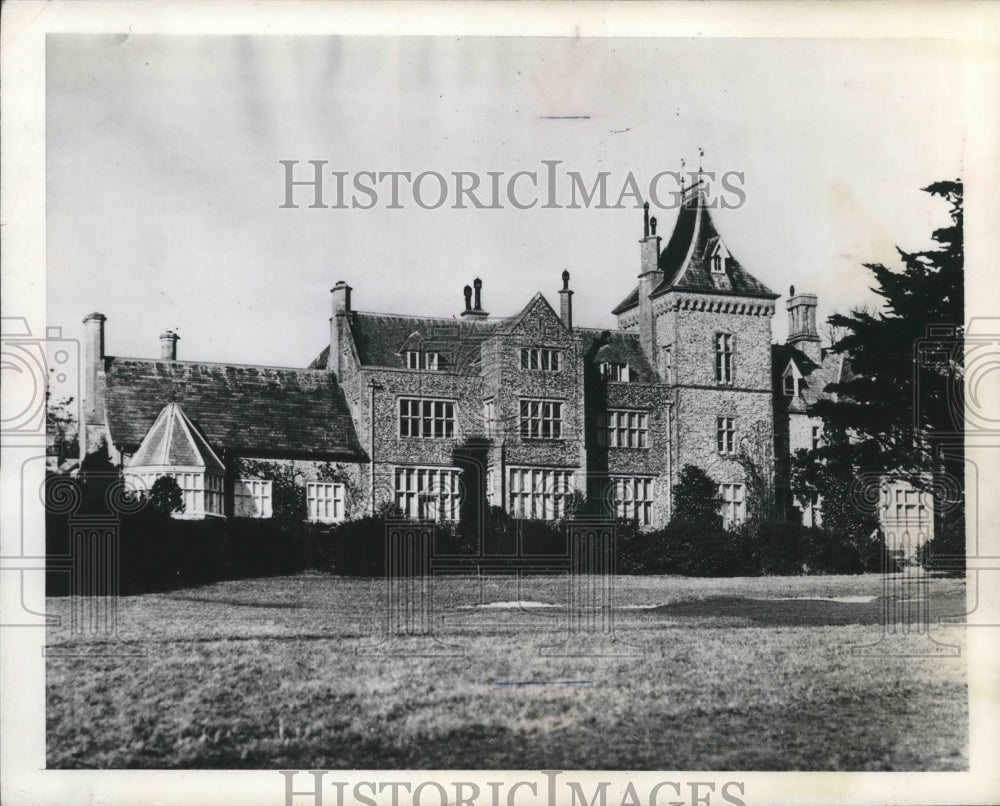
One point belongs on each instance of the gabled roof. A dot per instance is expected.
(380, 339)
(536, 303)
(686, 260)
(620, 347)
(257, 411)
(833, 368)
(173, 441)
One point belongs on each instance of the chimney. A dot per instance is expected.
(341, 299)
(566, 303)
(168, 345)
(94, 327)
(802, 324)
(476, 311)
(467, 291)
(650, 277)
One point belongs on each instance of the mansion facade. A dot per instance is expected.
(442, 417)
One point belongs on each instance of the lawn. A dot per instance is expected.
(730, 674)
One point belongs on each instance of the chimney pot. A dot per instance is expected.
(467, 291)
(477, 284)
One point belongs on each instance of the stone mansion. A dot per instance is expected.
(521, 411)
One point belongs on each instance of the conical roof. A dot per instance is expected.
(686, 260)
(173, 441)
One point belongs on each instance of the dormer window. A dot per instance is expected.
(416, 359)
(717, 264)
(792, 381)
(791, 387)
(614, 371)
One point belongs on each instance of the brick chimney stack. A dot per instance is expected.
(476, 310)
(168, 345)
(802, 333)
(566, 303)
(93, 380)
(341, 299)
(650, 277)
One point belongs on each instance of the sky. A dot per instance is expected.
(164, 186)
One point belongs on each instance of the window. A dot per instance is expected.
(541, 419)
(428, 493)
(817, 436)
(417, 360)
(724, 358)
(490, 417)
(633, 498)
(538, 493)
(910, 507)
(490, 481)
(623, 429)
(725, 434)
(252, 498)
(325, 501)
(201, 492)
(717, 264)
(667, 364)
(541, 359)
(734, 509)
(427, 419)
(790, 385)
(612, 371)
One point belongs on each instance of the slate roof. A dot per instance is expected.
(173, 440)
(260, 411)
(616, 346)
(834, 368)
(686, 260)
(381, 337)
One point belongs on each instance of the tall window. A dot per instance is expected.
(252, 498)
(325, 501)
(667, 362)
(539, 493)
(429, 493)
(633, 498)
(541, 359)
(490, 417)
(428, 419)
(724, 358)
(790, 385)
(541, 419)
(717, 264)
(817, 436)
(734, 507)
(725, 434)
(613, 371)
(623, 429)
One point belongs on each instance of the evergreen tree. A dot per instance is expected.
(900, 404)
(696, 498)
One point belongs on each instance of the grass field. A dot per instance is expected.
(741, 674)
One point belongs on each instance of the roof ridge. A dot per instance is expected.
(212, 363)
(453, 318)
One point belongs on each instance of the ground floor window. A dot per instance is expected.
(325, 501)
(633, 498)
(201, 492)
(428, 493)
(252, 498)
(734, 508)
(539, 493)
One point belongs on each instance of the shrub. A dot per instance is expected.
(165, 495)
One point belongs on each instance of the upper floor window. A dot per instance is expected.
(429, 419)
(817, 436)
(717, 264)
(541, 359)
(623, 429)
(541, 419)
(419, 360)
(724, 358)
(490, 417)
(789, 385)
(612, 371)
(725, 434)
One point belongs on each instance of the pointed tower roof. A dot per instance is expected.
(686, 261)
(173, 441)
